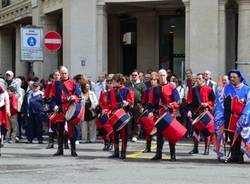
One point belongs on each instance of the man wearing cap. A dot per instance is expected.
(232, 115)
(33, 108)
(10, 81)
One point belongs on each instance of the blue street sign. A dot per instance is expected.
(31, 41)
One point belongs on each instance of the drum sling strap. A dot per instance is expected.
(65, 90)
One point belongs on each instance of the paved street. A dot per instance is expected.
(32, 163)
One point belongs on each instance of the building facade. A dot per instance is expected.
(120, 35)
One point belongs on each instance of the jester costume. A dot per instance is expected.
(232, 112)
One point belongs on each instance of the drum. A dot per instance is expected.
(56, 118)
(75, 113)
(148, 123)
(170, 128)
(204, 123)
(103, 126)
(119, 119)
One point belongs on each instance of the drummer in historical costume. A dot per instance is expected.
(169, 102)
(232, 112)
(102, 118)
(151, 109)
(52, 117)
(121, 98)
(64, 94)
(202, 100)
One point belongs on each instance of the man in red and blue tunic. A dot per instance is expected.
(169, 102)
(120, 97)
(232, 113)
(64, 92)
(202, 98)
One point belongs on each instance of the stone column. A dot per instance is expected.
(146, 41)
(222, 38)
(102, 39)
(36, 21)
(21, 67)
(114, 48)
(79, 37)
(5, 51)
(187, 35)
(204, 36)
(244, 37)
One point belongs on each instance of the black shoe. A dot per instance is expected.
(73, 153)
(105, 148)
(157, 157)
(147, 150)
(123, 155)
(115, 155)
(172, 157)
(206, 151)
(59, 152)
(148, 147)
(234, 159)
(29, 142)
(110, 146)
(193, 151)
(50, 146)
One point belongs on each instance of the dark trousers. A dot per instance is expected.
(160, 142)
(21, 122)
(35, 127)
(235, 149)
(60, 130)
(124, 137)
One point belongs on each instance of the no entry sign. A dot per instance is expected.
(52, 41)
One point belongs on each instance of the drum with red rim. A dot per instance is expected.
(119, 119)
(103, 126)
(204, 123)
(75, 113)
(170, 128)
(148, 122)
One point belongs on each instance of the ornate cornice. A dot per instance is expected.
(52, 5)
(15, 12)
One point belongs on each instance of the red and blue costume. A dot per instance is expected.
(102, 120)
(169, 102)
(60, 92)
(198, 95)
(152, 100)
(116, 97)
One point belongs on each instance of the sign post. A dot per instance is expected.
(31, 45)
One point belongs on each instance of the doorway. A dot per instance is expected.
(128, 44)
(172, 44)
